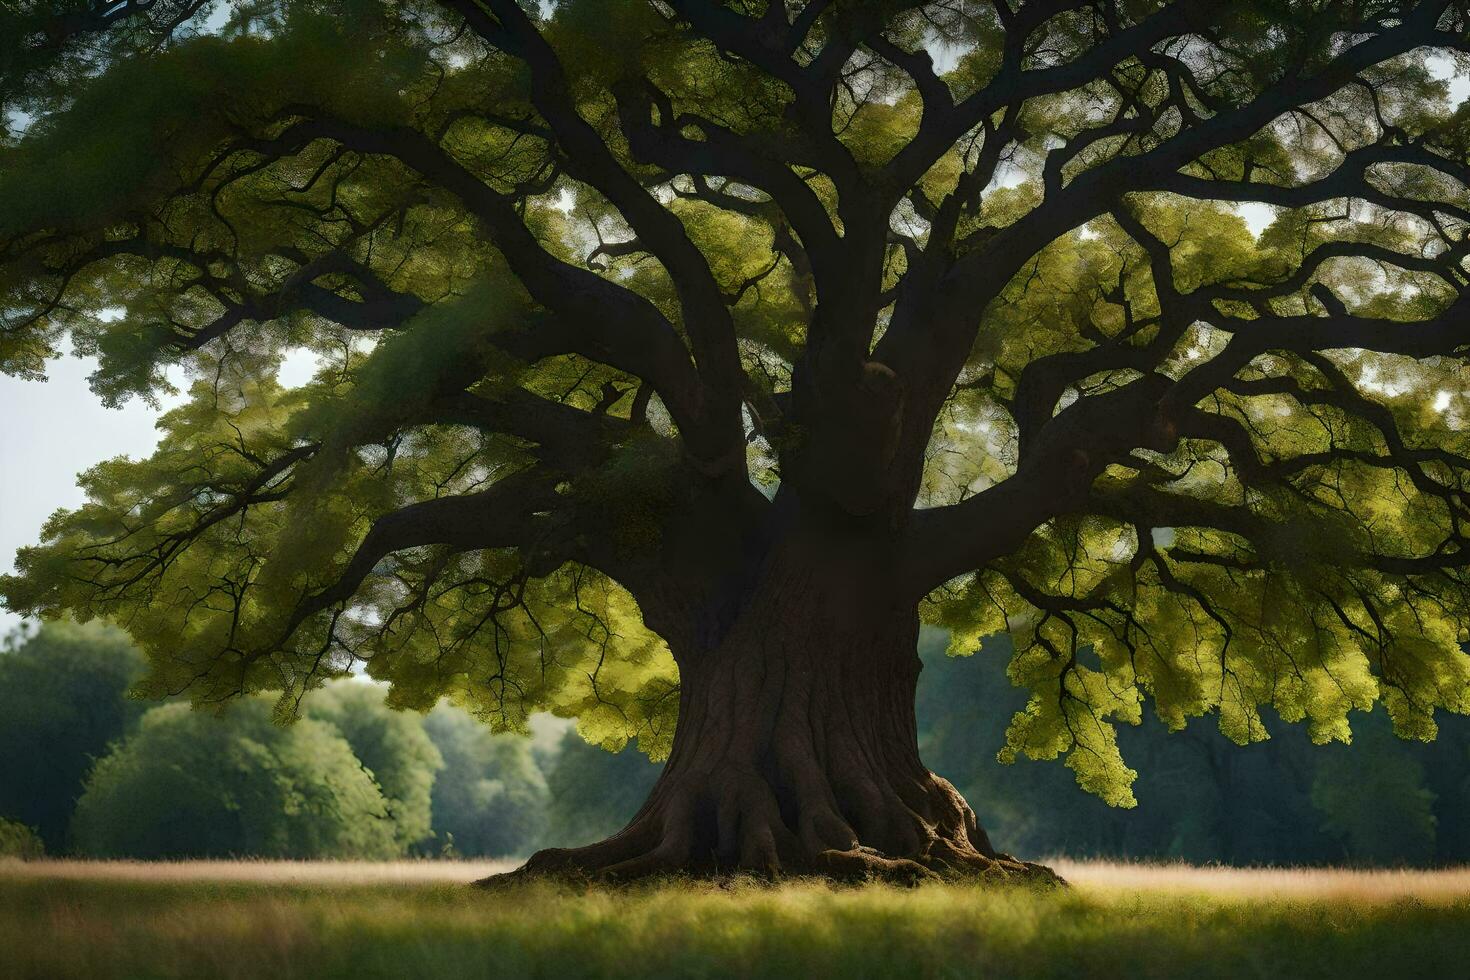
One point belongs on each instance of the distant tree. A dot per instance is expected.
(1379, 800)
(392, 745)
(737, 336)
(490, 795)
(594, 793)
(19, 841)
(62, 701)
(1447, 775)
(1374, 800)
(190, 784)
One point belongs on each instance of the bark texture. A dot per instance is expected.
(797, 748)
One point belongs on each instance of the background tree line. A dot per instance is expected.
(86, 770)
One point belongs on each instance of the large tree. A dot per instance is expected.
(745, 334)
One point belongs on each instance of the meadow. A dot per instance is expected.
(285, 920)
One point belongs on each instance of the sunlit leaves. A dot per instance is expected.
(372, 185)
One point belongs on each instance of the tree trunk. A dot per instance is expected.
(797, 750)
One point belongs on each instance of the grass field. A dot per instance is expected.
(284, 920)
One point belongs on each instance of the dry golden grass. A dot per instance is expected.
(284, 920)
(258, 871)
(1318, 884)
(1328, 884)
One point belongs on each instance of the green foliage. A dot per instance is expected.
(189, 784)
(1375, 801)
(1202, 638)
(146, 117)
(490, 797)
(450, 786)
(62, 702)
(206, 784)
(1200, 798)
(391, 745)
(365, 181)
(593, 793)
(576, 647)
(19, 841)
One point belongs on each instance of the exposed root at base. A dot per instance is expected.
(861, 865)
(719, 826)
(864, 864)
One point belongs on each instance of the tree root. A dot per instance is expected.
(816, 802)
(659, 844)
(861, 865)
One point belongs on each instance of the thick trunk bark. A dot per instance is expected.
(797, 750)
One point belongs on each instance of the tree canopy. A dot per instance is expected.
(596, 288)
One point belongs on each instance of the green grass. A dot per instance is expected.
(77, 925)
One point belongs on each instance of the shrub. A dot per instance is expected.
(19, 841)
(391, 744)
(191, 784)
